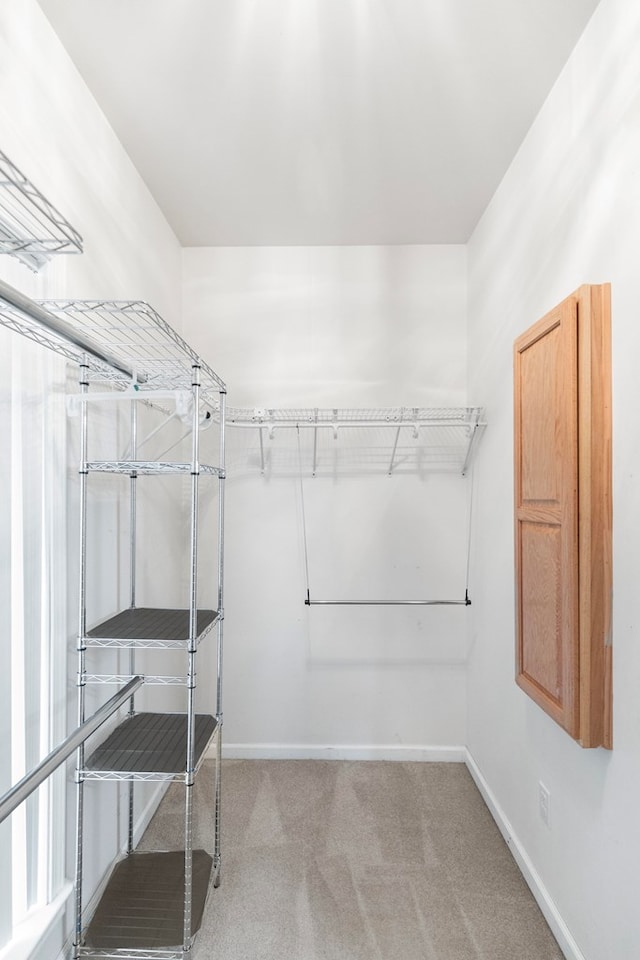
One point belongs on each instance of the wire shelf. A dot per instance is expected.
(353, 441)
(31, 228)
(149, 467)
(150, 627)
(117, 678)
(353, 416)
(126, 953)
(19, 321)
(141, 911)
(143, 340)
(149, 746)
(123, 343)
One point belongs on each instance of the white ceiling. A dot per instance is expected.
(285, 122)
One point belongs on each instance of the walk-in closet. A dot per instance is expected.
(318, 506)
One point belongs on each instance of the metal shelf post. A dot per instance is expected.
(191, 667)
(132, 588)
(81, 658)
(217, 864)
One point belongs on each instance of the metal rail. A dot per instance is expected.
(25, 787)
(388, 603)
(33, 310)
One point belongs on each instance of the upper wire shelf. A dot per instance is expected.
(132, 330)
(376, 439)
(124, 343)
(31, 228)
(353, 416)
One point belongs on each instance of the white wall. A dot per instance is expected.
(336, 327)
(567, 212)
(55, 133)
(386, 326)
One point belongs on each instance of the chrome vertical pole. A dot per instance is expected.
(191, 671)
(261, 446)
(133, 476)
(220, 632)
(132, 584)
(81, 658)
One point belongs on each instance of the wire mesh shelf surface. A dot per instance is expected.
(20, 321)
(31, 228)
(151, 467)
(117, 678)
(149, 746)
(354, 441)
(150, 627)
(127, 953)
(353, 416)
(141, 911)
(135, 332)
(118, 340)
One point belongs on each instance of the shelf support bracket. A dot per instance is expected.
(475, 429)
(395, 447)
(315, 443)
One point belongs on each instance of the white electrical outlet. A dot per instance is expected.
(544, 804)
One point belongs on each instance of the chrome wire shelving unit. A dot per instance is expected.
(31, 228)
(323, 441)
(153, 902)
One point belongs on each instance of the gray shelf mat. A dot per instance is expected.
(151, 623)
(151, 743)
(143, 904)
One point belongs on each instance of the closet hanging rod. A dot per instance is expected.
(59, 327)
(389, 603)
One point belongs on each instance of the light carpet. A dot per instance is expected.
(342, 860)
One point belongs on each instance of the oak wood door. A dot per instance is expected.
(546, 484)
(563, 514)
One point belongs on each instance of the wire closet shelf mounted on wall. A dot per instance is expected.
(153, 902)
(352, 442)
(381, 439)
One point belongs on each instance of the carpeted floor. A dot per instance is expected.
(332, 860)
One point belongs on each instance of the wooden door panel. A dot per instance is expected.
(563, 514)
(546, 438)
(541, 642)
(539, 386)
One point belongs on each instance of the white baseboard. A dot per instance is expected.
(293, 751)
(561, 932)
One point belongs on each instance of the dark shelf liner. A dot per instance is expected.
(151, 743)
(143, 904)
(151, 623)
